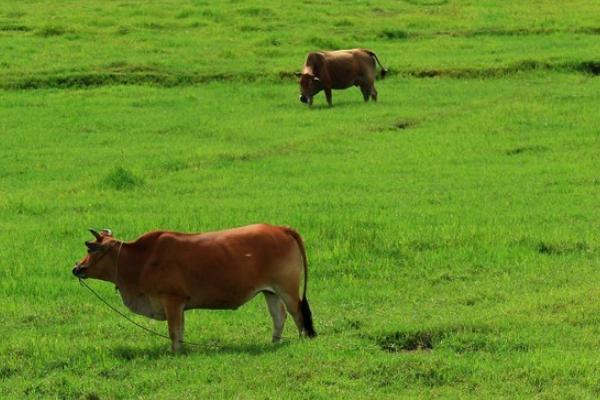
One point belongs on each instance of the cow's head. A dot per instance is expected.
(97, 263)
(309, 86)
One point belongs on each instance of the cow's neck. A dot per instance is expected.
(127, 266)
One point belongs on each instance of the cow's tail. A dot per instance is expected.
(304, 307)
(384, 71)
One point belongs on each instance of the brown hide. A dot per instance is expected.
(163, 273)
(339, 70)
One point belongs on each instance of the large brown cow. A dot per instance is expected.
(339, 70)
(162, 274)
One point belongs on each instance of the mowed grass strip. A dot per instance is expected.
(451, 231)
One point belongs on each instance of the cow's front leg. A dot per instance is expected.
(328, 95)
(174, 307)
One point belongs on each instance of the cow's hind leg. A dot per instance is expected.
(277, 311)
(373, 93)
(174, 307)
(366, 91)
(300, 312)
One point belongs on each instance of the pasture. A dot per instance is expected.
(451, 228)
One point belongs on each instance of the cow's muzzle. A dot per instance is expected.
(79, 271)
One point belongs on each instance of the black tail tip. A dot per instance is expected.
(309, 328)
(384, 73)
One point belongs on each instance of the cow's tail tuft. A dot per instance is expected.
(304, 307)
(383, 73)
(384, 70)
(307, 318)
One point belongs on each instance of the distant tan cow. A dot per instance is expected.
(340, 69)
(162, 274)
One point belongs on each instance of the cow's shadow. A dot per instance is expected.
(205, 348)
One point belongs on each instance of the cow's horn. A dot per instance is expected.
(95, 233)
(106, 231)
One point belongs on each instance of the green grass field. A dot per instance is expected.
(451, 228)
